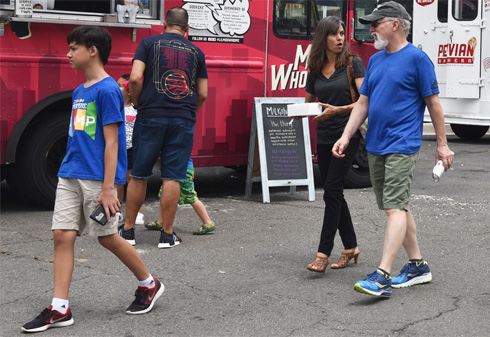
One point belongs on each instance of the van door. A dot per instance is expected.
(462, 54)
(455, 27)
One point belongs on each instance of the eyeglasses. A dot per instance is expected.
(375, 24)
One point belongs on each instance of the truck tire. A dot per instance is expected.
(15, 181)
(39, 159)
(469, 131)
(358, 175)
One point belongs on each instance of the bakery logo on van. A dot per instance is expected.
(424, 2)
(456, 53)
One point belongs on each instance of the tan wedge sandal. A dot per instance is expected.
(319, 264)
(345, 258)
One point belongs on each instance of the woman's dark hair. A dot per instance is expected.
(126, 77)
(317, 58)
(89, 36)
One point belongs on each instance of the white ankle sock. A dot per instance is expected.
(148, 283)
(60, 305)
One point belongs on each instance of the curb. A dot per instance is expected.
(429, 130)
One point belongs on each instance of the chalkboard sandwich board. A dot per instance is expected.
(284, 147)
(304, 109)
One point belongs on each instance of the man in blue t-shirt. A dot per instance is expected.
(168, 85)
(400, 82)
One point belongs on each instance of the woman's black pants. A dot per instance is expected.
(337, 216)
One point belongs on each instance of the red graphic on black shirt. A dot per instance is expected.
(174, 62)
(174, 83)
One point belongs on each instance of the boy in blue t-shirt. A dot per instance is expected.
(95, 160)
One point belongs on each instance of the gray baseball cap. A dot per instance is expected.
(389, 9)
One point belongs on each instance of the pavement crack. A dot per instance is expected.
(456, 300)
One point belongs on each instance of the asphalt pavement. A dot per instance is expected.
(249, 277)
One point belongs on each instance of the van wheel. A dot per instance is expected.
(469, 131)
(358, 175)
(35, 173)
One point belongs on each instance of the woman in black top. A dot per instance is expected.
(328, 81)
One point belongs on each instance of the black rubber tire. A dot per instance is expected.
(15, 181)
(469, 131)
(358, 175)
(39, 159)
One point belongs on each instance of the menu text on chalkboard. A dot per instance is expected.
(284, 143)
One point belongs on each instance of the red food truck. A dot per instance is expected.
(253, 48)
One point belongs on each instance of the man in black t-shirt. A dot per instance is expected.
(168, 84)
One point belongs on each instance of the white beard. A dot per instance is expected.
(379, 42)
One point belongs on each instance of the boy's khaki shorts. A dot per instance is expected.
(75, 201)
(391, 177)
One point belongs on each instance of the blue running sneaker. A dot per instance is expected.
(376, 284)
(412, 274)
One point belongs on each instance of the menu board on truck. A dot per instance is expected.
(224, 21)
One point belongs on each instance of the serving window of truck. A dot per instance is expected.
(298, 19)
(147, 8)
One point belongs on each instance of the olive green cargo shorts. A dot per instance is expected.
(391, 177)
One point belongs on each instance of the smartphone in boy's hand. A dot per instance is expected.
(98, 215)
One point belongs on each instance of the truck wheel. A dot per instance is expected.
(358, 175)
(40, 157)
(469, 131)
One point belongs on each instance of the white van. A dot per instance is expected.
(456, 36)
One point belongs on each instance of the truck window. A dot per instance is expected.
(362, 8)
(297, 19)
(148, 8)
(365, 7)
(6, 5)
(442, 10)
(84, 6)
(328, 8)
(465, 10)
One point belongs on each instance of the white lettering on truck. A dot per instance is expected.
(288, 76)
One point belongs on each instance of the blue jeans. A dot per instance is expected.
(171, 138)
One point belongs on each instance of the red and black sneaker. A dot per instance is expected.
(145, 298)
(49, 319)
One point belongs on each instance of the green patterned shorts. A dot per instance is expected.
(188, 195)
